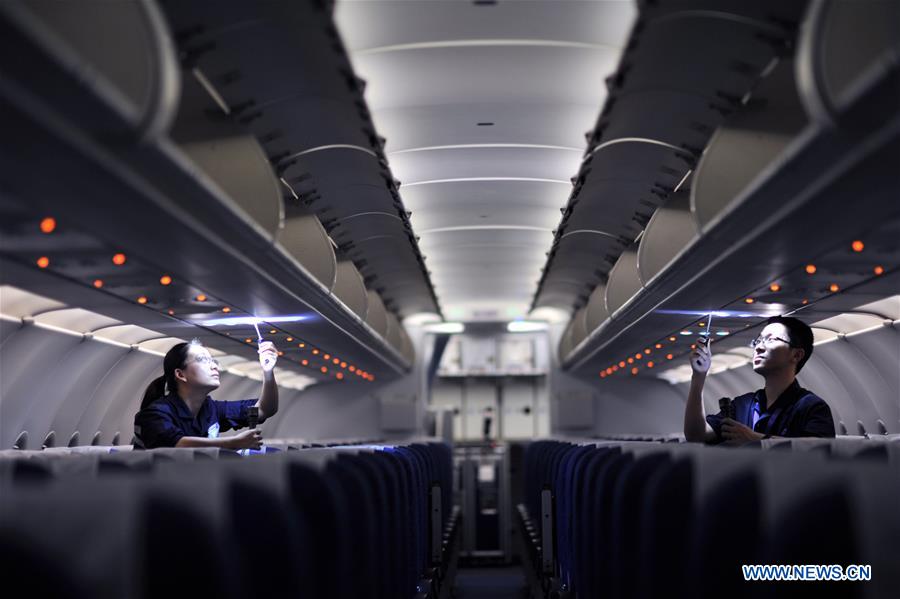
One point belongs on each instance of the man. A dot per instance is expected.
(781, 409)
(177, 411)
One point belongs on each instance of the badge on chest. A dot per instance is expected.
(213, 431)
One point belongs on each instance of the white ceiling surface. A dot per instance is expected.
(484, 199)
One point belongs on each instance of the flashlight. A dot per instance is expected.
(266, 360)
(704, 339)
(252, 416)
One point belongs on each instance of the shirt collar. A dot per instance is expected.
(790, 395)
(181, 408)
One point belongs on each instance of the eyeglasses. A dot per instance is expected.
(207, 360)
(768, 341)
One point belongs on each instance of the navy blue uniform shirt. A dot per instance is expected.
(797, 412)
(168, 419)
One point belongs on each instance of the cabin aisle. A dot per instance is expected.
(491, 583)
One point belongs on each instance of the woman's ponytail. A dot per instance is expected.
(155, 390)
(175, 358)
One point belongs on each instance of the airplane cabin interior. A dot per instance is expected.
(432, 299)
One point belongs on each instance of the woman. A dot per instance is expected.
(177, 411)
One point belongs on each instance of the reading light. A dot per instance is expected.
(622, 364)
(289, 339)
(858, 246)
(634, 371)
(200, 298)
(324, 369)
(165, 280)
(352, 369)
(48, 225)
(248, 340)
(118, 259)
(647, 351)
(650, 364)
(315, 352)
(98, 283)
(811, 269)
(879, 270)
(340, 375)
(142, 300)
(638, 356)
(326, 357)
(774, 287)
(305, 362)
(673, 338)
(749, 300)
(336, 361)
(658, 346)
(43, 262)
(602, 374)
(272, 331)
(343, 364)
(631, 360)
(669, 356)
(833, 288)
(226, 309)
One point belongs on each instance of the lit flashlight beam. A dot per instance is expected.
(716, 313)
(251, 320)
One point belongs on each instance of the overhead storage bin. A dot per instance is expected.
(304, 239)
(122, 53)
(672, 228)
(282, 70)
(748, 141)
(376, 317)
(687, 66)
(228, 155)
(595, 312)
(624, 281)
(350, 289)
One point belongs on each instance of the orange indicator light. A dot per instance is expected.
(858, 246)
(272, 332)
(315, 352)
(326, 357)
(98, 283)
(602, 374)
(811, 269)
(834, 288)
(165, 280)
(749, 300)
(774, 287)
(118, 259)
(43, 262)
(658, 346)
(631, 360)
(622, 364)
(248, 340)
(289, 339)
(336, 361)
(305, 362)
(669, 356)
(879, 270)
(48, 225)
(226, 309)
(649, 364)
(201, 298)
(343, 364)
(352, 369)
(671, 338)
(339, 375)
(142, 300)
(634, 371)
(324, 369)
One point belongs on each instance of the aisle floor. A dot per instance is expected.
(491, 583)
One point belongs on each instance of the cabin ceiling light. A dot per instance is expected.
(525, 326)
(446, 327)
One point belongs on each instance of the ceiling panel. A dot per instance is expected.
(484, 108)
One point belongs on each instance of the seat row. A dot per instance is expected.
(360, 521)
(636, 519)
